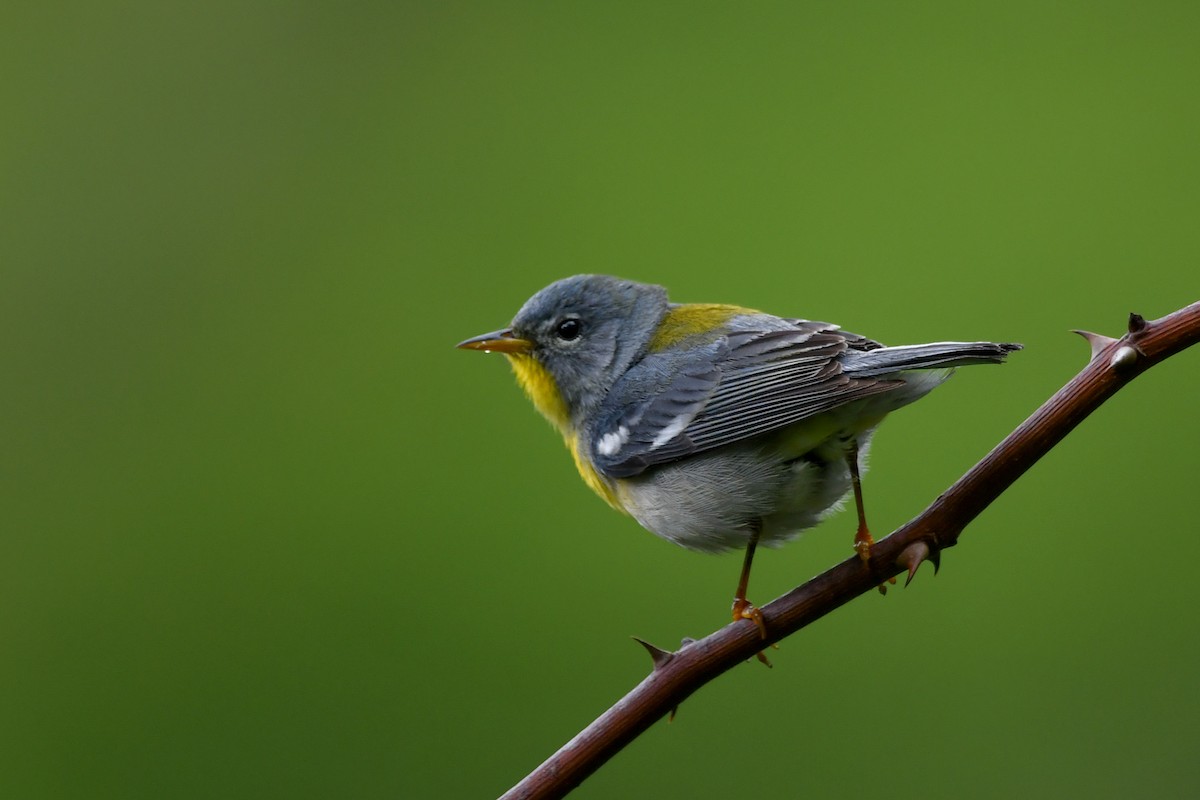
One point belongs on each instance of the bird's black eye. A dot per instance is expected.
(569, 329)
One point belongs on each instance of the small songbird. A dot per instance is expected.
(714, 426)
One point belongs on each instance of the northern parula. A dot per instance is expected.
(714, 426)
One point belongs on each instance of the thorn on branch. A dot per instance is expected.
(1097, 341)
(917, 554)
(659, 656)
(1124, 358)
(911, 558)
(1136, 323)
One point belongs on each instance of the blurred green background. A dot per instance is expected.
(266, 533)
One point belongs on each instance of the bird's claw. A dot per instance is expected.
(744, 609)
(863, 542)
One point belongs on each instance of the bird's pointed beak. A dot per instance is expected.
(502, 341)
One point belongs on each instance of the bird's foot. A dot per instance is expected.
(744, 609)
(863, 542)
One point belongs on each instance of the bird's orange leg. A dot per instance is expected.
(863, 540)
(743, 608)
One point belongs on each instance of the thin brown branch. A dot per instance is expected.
(1114, 363)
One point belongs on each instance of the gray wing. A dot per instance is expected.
(747, 383)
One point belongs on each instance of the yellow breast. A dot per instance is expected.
(543, 392)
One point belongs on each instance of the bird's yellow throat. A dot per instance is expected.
(543, 392)
(539, 385)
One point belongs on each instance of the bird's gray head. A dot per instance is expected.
(587, 329)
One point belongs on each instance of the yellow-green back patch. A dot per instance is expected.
(693, 319)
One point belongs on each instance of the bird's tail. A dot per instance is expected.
(937, 355)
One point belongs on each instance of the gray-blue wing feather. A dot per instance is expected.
(745, 384)
(764, 374)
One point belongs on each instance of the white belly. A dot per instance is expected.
(713, 501)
